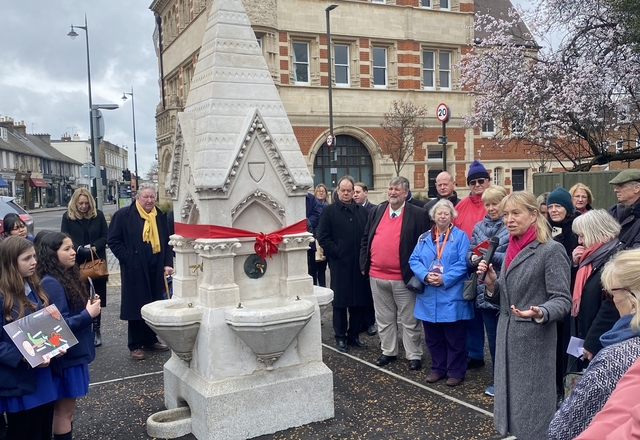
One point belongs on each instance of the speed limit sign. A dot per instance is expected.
(329, 140)
(442, 113)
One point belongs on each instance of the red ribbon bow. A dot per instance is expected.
(267, 244)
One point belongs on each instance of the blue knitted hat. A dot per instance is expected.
(477, 171)
(562, 197)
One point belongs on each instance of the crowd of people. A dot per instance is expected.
(527, 274)
(557, 269)
(39, 403)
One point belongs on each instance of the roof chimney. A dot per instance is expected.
(20, 128)
(76, 137)
(45, 137)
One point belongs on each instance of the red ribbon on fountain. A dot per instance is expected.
(266, 244)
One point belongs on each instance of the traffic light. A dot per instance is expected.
(126, 175)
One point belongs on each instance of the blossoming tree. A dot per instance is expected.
(577, 101)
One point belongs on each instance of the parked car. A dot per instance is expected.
(8, 206)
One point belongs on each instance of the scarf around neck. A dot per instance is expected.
(591, 256)
(516, 244)
(621, 331)
(150, 229)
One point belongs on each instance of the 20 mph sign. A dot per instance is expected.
(442, 113)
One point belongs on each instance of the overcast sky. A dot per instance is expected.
(43, 72)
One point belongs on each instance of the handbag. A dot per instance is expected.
(415, 285)
(95, 268)
(571, 378)
(470, 289)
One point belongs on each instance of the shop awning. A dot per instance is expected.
(3, 183)
(36, 182)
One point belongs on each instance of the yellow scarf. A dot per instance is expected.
(150, 229)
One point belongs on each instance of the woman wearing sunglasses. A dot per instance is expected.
(621, 281)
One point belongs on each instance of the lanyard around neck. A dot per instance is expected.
(440, 249)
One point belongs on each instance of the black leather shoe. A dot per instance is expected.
(358, 343)
(384, 360)
(372, 330)
(415, 364)
(342, 346)
(97, 338)
(474, 364)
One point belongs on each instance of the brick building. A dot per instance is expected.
(382, 50)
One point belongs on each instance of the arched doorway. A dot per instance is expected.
(353, 159)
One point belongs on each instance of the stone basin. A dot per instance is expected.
(177, 322)
(324, 296)
(268, 326)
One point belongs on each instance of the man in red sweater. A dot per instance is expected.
(392, 231)
(470, 211)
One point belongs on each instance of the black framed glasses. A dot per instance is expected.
(609, 293)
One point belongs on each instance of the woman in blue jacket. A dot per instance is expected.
(61, 280)
(439, 261)
(26, 394)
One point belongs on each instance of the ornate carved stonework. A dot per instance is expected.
(176, 164)
(216, 248)
(262, 196)
(262, 13)
(187, 208)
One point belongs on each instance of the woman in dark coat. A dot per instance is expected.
(533, 292)
(87, 227)
(594, 313)
(561, 218)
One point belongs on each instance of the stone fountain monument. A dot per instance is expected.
(244, 320)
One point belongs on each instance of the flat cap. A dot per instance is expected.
(625, 176)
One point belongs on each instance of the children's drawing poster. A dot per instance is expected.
(41, 335)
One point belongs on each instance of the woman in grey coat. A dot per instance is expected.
(533, 292)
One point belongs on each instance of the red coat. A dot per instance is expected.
(470, 211)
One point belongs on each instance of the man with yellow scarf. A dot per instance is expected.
(139, 238)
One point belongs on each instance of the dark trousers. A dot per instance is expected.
(311, 265)
(369, 316)
(31, 424)
(321, 270)
(447, 344)
(347, 328)
(490, 318)
(140, 335)
(475, 335)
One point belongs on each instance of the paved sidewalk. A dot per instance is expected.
(370, 402)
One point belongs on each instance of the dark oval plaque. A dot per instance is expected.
(254, 266)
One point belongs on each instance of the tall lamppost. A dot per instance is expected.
(95, 159)
(133, 114)
(333, 147)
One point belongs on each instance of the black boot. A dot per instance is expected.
(66, 436)
(97, 337)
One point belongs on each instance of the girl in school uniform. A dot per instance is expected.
(61, 280)
(26, 394)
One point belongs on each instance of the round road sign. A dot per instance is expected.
(329, 140)
(442, 113)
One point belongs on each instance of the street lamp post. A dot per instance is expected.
(333, 147)
(73, 34)
(135, 150)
